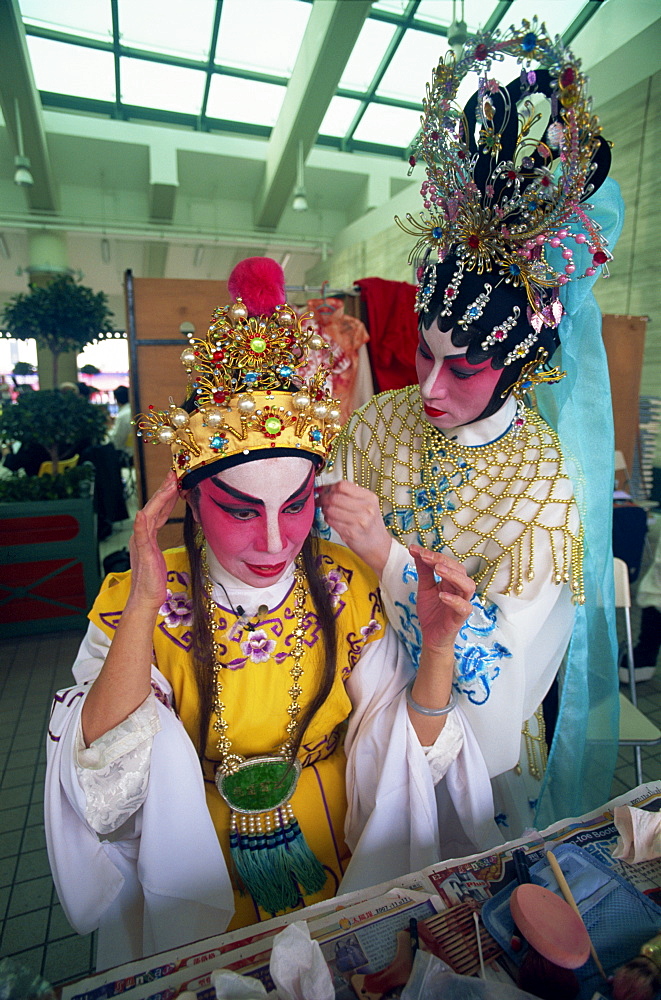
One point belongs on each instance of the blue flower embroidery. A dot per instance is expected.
(477, 667)
(482, 621)
(408, 629)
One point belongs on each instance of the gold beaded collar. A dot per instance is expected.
(486, 502)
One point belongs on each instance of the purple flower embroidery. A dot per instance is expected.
(177, 609)
(258, 647)
(335, 585)
(368, 630)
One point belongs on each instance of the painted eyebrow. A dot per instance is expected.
(448, 357)
(247, 498)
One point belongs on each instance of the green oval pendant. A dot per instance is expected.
(259, 784)
(258, 345)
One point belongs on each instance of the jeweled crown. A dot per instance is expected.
(246, 393)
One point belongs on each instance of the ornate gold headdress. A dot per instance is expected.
(245, 393)
(506, 176)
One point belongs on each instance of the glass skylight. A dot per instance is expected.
(338, 118)
(388, 126)
(238, 100)
(78, 17)
(179, 31)
(557, 16)
(412, 65)
(158, 85)
(263, 35)
(259, 41)
(367, 54)
(72, 69)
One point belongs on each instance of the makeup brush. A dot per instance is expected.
(640, 978)
(567, 893)
(553, 933)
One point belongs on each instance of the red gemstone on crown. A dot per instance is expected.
(567, 77)
(481, 52)
(499, 334)
(219, 396)
(600, 257)
(473, 241)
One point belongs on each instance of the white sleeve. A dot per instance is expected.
(156, 883)
(393, 824)
(113, 772)
(506, 655)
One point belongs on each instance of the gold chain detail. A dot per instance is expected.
(465, 498)
(229, 761)
(536, 748)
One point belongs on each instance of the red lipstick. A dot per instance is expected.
(432, 412)
(266, 571)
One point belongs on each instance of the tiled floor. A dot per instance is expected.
(33, 928)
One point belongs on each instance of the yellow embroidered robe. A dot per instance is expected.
(255, 683)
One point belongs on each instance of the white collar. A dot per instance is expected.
(227, 586)
(484, 431)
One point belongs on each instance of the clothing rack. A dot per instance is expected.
(325, 292)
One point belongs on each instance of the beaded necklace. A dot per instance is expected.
(269, 851)
(484, 502)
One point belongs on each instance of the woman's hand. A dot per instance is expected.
(444, 605)
(355, 514)
(148, 570)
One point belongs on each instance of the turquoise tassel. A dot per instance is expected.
(273, 865)
(304, 866)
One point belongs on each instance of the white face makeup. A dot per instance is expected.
(453, 391)
(256, 516)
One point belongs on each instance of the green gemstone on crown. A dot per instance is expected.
(272, 425)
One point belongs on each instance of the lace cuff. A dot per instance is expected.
(114, 771)
(446, 749)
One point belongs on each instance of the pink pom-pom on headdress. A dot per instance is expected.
(260, 283)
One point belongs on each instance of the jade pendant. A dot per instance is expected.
(259, 784)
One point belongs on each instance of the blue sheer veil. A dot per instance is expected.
(582, 758)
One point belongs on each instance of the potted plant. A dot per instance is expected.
(62, 316)
(49, 567)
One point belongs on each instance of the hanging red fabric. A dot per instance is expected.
(392, 324)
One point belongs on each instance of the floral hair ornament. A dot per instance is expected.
(245, 395)
(499, 332)
(507, 177)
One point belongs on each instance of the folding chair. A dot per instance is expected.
(636, 729)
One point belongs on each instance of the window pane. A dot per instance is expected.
(412, 65)
(72, 69)
(557, 16)
(157, 85)
(388, 126)
(338, 118)
(391, 6)
(244, 100)
(79, 17)
(182, 30)
(263, 35)
(476, 13)
(368, 51)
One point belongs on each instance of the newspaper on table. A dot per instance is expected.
(359, 930)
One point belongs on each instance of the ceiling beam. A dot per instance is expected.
(331, 33)
(17, 84)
